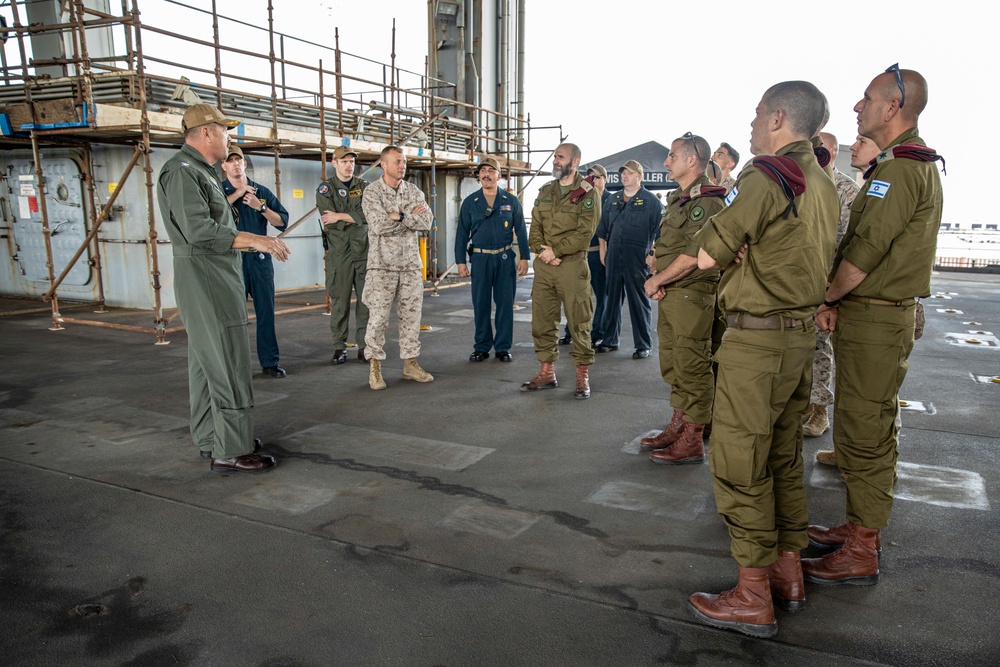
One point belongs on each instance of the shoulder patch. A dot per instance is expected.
(696, 214)
(732, 195)
(878, 189)
(588, 203)
(323, 188)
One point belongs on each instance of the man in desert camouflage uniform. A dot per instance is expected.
(396, 212)
(815, 421)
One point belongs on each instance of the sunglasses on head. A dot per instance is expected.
(687, 136)
(899, 82)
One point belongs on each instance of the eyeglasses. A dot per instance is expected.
(899, 82)
(687, 136)
(489, 211)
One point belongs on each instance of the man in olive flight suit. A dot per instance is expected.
(882, 264)
(563, 220)
(211, 296)
(780, 225)
(686, 296)
(487, 223)
(345, 232)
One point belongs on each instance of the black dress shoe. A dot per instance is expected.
(245, 463)
(505, 356)
(256, 448)
(275, 371)
(640, 354)
(565, 340)
(605, 348)
(479, 356)
(339, 357)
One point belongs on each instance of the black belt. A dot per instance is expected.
(867, 300)
(748, 321)
(493, 252)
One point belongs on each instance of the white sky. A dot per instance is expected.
(631, 72)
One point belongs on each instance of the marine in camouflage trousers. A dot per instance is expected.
(382, 288)
(823, 370)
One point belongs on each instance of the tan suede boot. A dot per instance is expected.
(855, 563)
(667, 436)
(746, 608)
(787, 588)
(689, 448)
(817, 423)
(582, 382)
(545, 379)
(413, 371)
(375, 380)
(827, 457)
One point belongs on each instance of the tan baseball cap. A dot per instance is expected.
(598, 170)
(488, 162)
(631, 165)
(205, 114)
(235, 150)
(343, 151)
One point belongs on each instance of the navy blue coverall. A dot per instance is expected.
(258, 270)
(493, 262)
(630, 230)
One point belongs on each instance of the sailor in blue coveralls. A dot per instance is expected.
(630, 225)
(487, 223)
(256, 207)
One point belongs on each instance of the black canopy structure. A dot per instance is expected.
(650, 155)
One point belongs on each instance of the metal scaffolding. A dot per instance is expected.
(136, 97)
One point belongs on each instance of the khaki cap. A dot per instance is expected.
(205, 114)
(598, 170)
(488, 162)
(631, 165)
(235, 150)
(344, 151)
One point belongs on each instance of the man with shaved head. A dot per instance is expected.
(883, 263)
(774, 240)
(815, 422)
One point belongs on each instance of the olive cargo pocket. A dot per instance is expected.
(746, 374)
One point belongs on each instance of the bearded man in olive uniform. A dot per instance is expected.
(563, 220)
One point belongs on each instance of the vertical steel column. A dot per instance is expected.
(338, 80)
(46, 231)
(218, 56)
(158, 322)
(274, 101)
(96, 250)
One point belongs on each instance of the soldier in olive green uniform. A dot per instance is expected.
(784, 211)
(345, 232)
(563, 220)
(211, 297)
(883, 263)
(686, 297)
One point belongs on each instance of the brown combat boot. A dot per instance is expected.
(582, 381)
(827, 457)
(829, 539)
(413, 371)
(816, 421)
(855, 563)
(746, 608)
(667, 436)
(689, 448)
(546, 379)
(375, 380)
(787, 588)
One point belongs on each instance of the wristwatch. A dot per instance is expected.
(263, 207)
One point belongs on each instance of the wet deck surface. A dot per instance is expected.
(460, 522)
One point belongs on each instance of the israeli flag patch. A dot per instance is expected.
(731, 196)
(878, 189)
